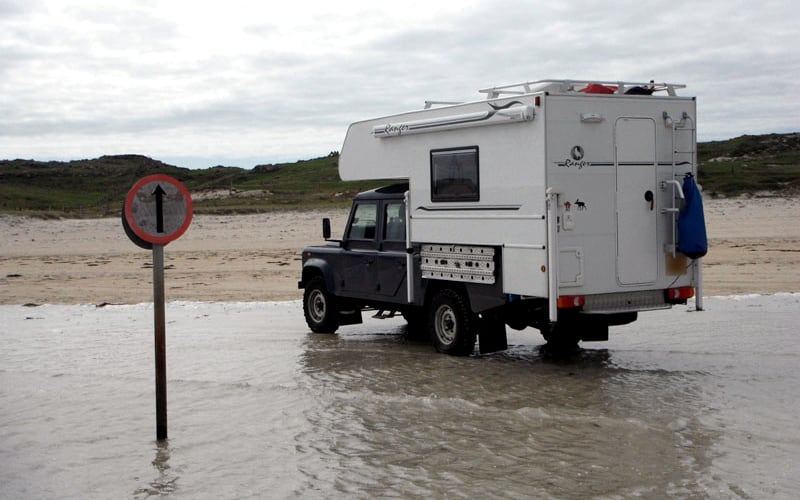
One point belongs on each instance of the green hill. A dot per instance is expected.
(751, 165)
(746, 165)
(92, 188)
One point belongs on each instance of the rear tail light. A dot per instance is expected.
(679, 295)
(571, 301)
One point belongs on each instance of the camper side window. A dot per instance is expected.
(454, 174)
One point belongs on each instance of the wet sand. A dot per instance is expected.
(755, 248)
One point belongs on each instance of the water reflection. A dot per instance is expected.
(166, 482)
(262, 408)
(393, 417)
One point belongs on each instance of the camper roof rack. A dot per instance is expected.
(565, 86)
(431, 104)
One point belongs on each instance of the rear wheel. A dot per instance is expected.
(319, 307)
(451, 323)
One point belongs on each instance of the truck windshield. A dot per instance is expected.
(362, 226)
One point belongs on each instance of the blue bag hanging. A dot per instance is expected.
(692, 240)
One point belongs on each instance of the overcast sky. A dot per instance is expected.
(240, 83)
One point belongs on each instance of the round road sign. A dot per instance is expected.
(158, 209)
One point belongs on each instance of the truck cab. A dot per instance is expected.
(367, 268)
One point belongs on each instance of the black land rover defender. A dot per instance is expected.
(368, 269)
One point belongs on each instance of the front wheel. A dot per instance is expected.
(319, 307)
(451, 323)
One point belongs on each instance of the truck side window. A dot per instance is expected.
(454, 174)
(362, 226)
(395, 222)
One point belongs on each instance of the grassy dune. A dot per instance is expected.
(747, 165)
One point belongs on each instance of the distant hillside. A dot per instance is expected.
(98, 187)
(88, 186)
(750, 165)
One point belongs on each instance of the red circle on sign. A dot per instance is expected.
(143, 233)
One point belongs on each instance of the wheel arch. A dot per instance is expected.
(480, 297)
(433, 286)
(318, 267)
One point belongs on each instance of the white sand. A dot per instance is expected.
(754, 248)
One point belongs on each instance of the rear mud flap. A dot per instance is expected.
(492, 335)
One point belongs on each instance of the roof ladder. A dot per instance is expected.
(684, 152)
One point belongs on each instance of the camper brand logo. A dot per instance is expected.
(576, 159)
(391, 129)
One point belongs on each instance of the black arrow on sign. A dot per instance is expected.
(159, 194)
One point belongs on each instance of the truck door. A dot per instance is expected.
(637, 232)
(392, 259)
(358, 270)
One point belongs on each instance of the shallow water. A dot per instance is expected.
(679, 404)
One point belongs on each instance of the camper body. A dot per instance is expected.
(543, 205)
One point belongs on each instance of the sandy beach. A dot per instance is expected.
(754, 248)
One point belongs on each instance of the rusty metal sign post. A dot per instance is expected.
(157, 210)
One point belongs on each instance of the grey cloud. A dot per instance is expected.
(126, 76)
(15, 8)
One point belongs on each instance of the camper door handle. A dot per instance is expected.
(648, 196)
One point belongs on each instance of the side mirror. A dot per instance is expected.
(326, 228)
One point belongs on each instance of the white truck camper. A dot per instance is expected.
(553, 204)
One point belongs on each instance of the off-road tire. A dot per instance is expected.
(451, 323)
(319, 307)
